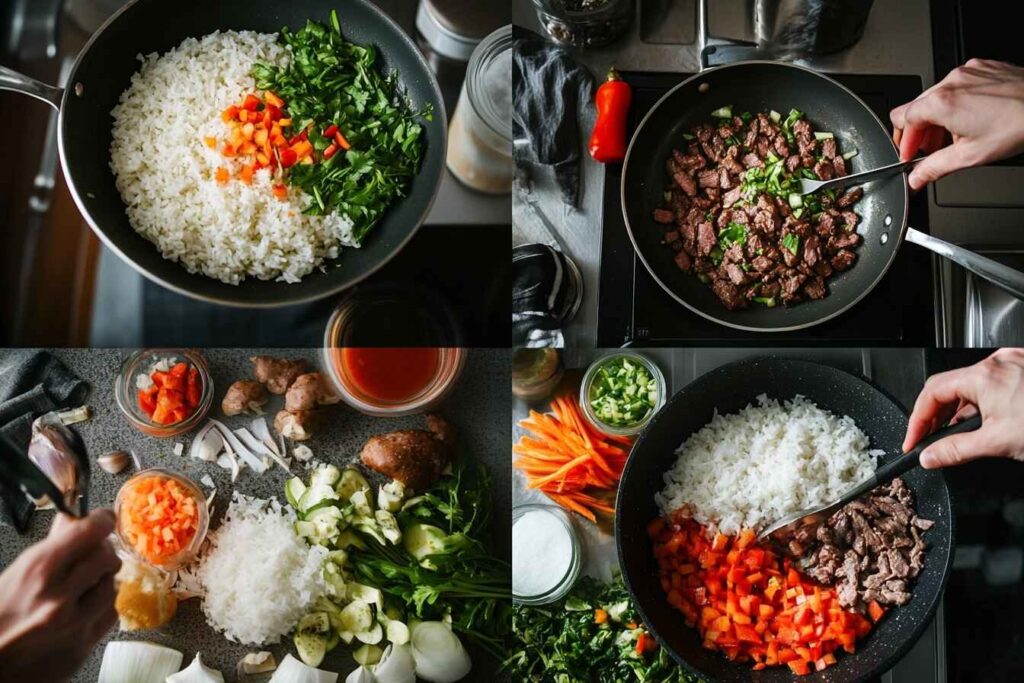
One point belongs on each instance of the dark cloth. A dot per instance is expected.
(546, 293)
(548, 86)
(32, 383)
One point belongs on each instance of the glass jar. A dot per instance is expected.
(126, 390)
(562, 522)
(622, 430)
(585, 23)
(480, 138)
(535, 373)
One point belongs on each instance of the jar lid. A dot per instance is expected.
(453, 28)
(488, 81)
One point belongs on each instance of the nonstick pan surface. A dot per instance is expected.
(728, 389)
(105, 68)
(754, 87)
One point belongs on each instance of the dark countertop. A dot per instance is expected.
(478, 407)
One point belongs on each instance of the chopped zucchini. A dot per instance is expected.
(327, 475)
(388, 526)
(293, 490)
(368, 655)
(311, 638)
(422, 540)
(314, 496)
(723, 112)
(389, 496)
(823, 136)
(304, 529)
(372, 636)
(352, 480)
(367, 594)
(775, 116)
(357, 616)
(851, 154)
(348, 538)
(362, 502)
(397, 632)
(795, 200)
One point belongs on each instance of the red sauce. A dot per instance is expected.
(391, 374)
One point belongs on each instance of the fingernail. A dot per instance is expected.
(928, 460)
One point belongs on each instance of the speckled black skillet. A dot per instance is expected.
(728, 389)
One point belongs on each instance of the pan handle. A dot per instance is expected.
(1001, 275)
(16, 82)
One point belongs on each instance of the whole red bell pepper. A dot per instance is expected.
(613, 99)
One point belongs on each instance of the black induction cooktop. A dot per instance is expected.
(634, 310)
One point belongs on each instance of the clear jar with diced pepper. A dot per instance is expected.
(164, 392)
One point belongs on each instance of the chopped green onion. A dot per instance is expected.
(734, 233)
(687, 136)
(716, 255)
(768, 301)
(791, 241)
(775, 116)
(795, 201)
(723, 112)
(623, 392)
(823, 136)
(746, 116)
(772, 158)
(798, 212)
(851, 154)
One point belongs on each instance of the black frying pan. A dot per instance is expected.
(103, 71)
(729, 389)
(761, 86)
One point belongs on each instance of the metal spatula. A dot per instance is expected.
(812, 186)
(782, 531)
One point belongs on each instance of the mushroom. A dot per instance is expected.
(307, 392)
(415, 457)
(277, 374)
(297, 426)
(244, 396)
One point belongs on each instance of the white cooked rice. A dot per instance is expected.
(751, 468)
(166, 173)
(258, 578)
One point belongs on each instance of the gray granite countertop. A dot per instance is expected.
(478, 407)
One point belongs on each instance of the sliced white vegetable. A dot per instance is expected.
(179, 448)
(357, 616)
(723, 112)
(367, 655)
(207, 444)
(262, 432)
(228, 461)
(361, 675)
(139, 662)
(397, 632)
(362, 503)
(325, 475)
(438, 653)
(851, 154)
(367, 594)
(823, 136)
(302, 453)
(396, 665)
(372, 636)
(292, 670)
(247, 456)
(421, 540)
(390, 496)
(795, 200)
(197, 672)
(259, 448)
(775, 116)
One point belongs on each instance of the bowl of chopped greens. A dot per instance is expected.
(620, 393)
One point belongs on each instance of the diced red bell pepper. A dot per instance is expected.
(195, 388)
(331, 131)
(147, 401)
(251, 103)
(330, 152)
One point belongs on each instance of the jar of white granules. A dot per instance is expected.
(480, 138)
(546, 554)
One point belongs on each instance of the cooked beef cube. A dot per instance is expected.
(729, 161)
(726, 131)
(839, 163)
(850, 198)
(725, 180)
(734, 254)
(670, 237)
(815, 288)
(843, 240)
(688, 230)
(664, 216)
(828, 148)
(685, 183)
(762, 264)
(802, 128)
(806, 160)
(751, 160)
(729, 295)
(923, 524)
(793, 163)
(706, 238)
(791, 285)
(689, 162)
(752, 130)
(780, 146)
(766, 221)
(708, 178)
(712, 193)
(812, 250)
(806, 145)
(732, 196)
(683, 261)
(826, 225)
(703, 132)
(825, 170)
(736, 274)
(761, 146)
(823, 269)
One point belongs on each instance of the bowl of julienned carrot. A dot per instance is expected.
(161, 518)
(570, 460)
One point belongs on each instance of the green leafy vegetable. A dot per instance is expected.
(734, 233)
(623, 392)
(564, 643)
(333, 81)
(791, 241)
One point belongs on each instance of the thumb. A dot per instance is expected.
(956, 450)
(938, 164)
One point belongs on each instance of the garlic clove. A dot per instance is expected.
(114, 462)
(255, 663)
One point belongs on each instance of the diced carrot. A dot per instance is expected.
(223, 175)
(600, 616)
(211, 142)
(230, 114)
(270, 98)
(342, 141)
(247, 173)
(280, 191)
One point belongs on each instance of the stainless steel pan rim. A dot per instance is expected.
(49, 95)
(636, 247)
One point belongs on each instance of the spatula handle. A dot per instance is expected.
(912, 458)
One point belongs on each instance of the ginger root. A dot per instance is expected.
(307, 392)
(244, 396)
(277, 374)
(297, 426)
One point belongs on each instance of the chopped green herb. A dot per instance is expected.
(791, 241)
(623, 392)
(734, 233)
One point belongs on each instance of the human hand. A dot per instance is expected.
(981, 104)
(995, 387)
(57, 600)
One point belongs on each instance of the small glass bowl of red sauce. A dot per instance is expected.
(394, 381)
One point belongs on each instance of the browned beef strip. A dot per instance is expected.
(825, 170)
(736, 274)
(726, 131)
(752, 131)
(815, 288)
(843, 259)
(751, 160)
(729, 295)
(780, 145)
(847, 587)
(802, 128)
(732, 196)
(806, 145)
(708, 178)
(828, 148)
(843, 240)
(923, 524)
(839, 163)
(706, 238)
(848, 199)
(683, 261)
(685, 183)
(725, 179)
(762, 264)
(812, 250)
(664, 216)
(761, 146)
(793, 163)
